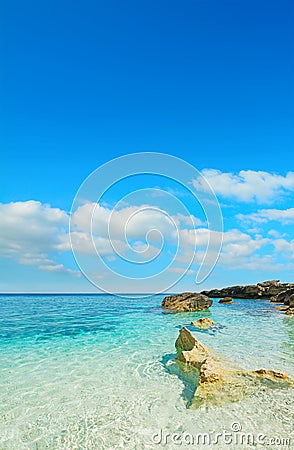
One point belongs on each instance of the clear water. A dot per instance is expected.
(97, 372)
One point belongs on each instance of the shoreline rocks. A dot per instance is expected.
(218, 384)
(272, 290)
(266, 290)
(187, 302)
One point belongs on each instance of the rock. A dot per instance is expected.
(264, 290)
(186, 341)
(218, 383)
(290, 312)
(192, 358)
(284, 296)
(269, 283)
(209, 371)
(188, 301)
(190, 350)
(203, 323)
(226, 300)
(281, 308)
(271, 374)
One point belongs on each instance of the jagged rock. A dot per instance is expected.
(226, 300)
(217, 383)
(290, 312)
(188, 301)
(203, 323)
(264, 290)
(283, 297)
(269, 283)
(186, 341)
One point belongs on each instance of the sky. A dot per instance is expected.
(83, 83)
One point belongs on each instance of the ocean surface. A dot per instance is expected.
(97, 372)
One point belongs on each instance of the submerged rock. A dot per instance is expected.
(203, 323)
(188, 301)
(217, 382)
(270, 374)
(281, 308)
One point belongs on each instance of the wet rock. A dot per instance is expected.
(281, 308)
(203, 323)
(218, 383)
(226, 300)
(187, 301)
(186, 341)
(271, 374)
(210, 372)
(189, 350)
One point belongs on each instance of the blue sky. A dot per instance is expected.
(85, 82)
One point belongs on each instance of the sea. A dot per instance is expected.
(98, 372)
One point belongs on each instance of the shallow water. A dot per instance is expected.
(97, 372)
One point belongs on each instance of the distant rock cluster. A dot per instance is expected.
(273, 290)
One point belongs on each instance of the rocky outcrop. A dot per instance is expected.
(203, 323)
(284, 296)
(226, 300)
(188, 301)
(264, 290)
(218, 383)
(290, 310)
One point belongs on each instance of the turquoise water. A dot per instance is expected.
(97, 372)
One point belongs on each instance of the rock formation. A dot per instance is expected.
(226, 300)
(203, 323)
(188, 301)
(264, 290)
(218, 384)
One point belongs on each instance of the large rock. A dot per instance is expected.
(188, 301)
(189, 350)
(218, 383)
(283, 297)
(186, 341)
(265, 290)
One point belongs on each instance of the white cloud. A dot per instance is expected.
(285, 216)
(247, 185)
(285, 247)
(30, 231)
(133, 222)
(33, 234)
(58, 268)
